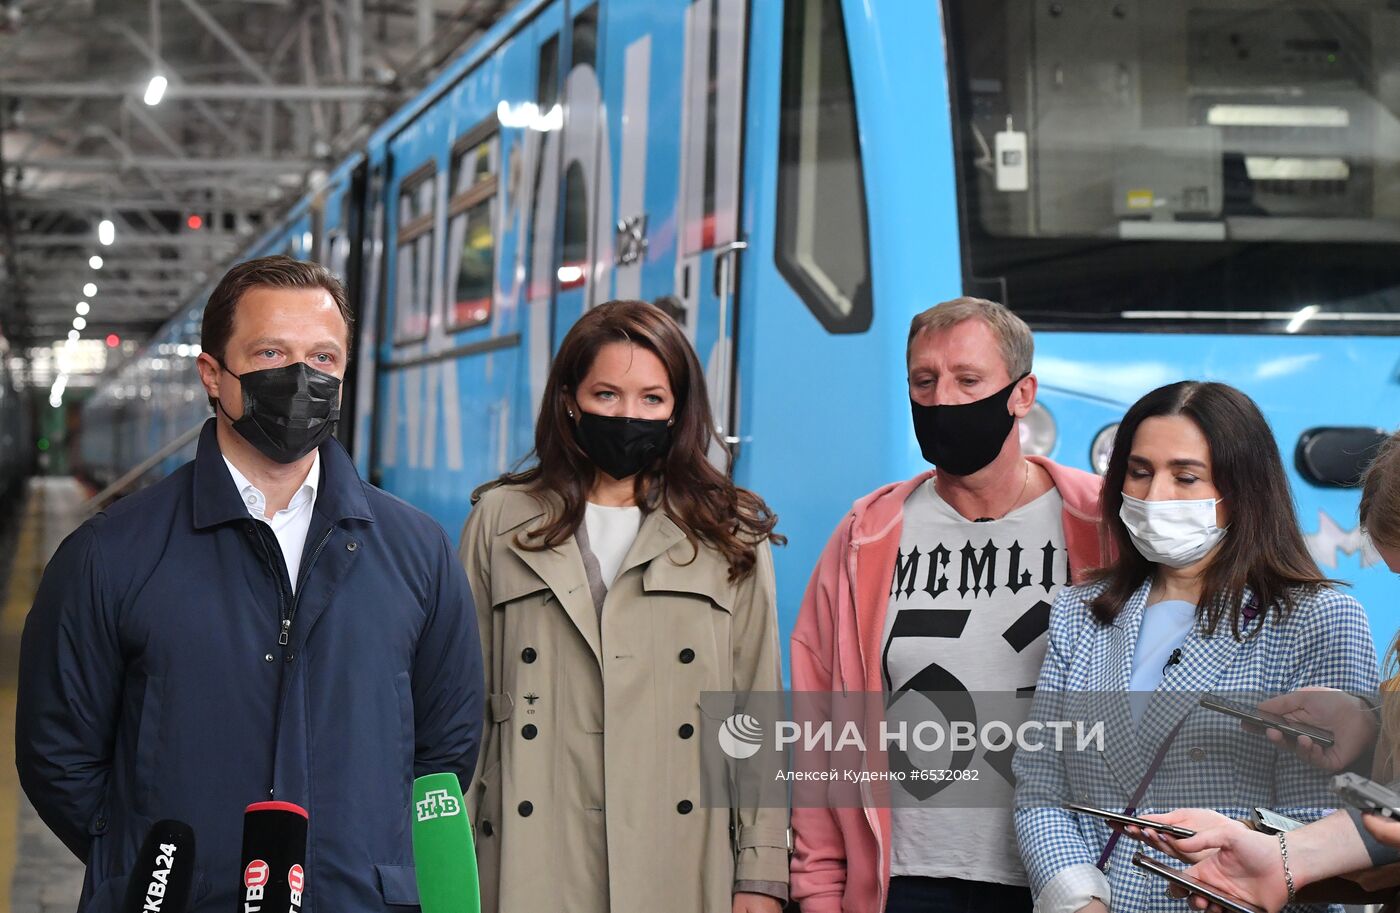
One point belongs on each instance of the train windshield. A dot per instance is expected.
(1215, 166)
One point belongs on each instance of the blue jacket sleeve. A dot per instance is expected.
(70, 681)
(447, 676)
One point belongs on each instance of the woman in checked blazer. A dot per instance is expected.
(1212, 591)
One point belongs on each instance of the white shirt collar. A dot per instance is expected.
(257, 501)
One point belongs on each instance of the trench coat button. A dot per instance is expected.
(525, 808)
(351, 546)
(268, 657)
(686, 730)
(486, 829)
(101, 824)
(291, 656)
(684, 806)
(528, 654)
(687, 655)
(529, 731)
(1197, 754)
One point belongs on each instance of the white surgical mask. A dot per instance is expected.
(1174, 533)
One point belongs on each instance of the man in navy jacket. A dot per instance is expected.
(260, 625)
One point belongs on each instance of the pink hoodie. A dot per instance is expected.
(841, 861)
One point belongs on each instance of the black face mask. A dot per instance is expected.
(287, 411)
(621, 446)
(962, 439)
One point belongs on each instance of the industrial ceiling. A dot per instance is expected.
(259, 96)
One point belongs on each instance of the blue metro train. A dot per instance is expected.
(1205, 189)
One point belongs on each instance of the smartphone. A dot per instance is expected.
(1268, 821)
(1176, 876)
(1290, 728)
(1120, 818)
(1367, 795)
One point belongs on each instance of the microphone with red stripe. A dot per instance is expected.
(274, 857)
(160, 881)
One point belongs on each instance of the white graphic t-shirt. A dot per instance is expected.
(968, 611)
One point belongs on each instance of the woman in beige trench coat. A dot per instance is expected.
(615, 581)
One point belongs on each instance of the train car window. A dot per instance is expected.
(1214, 166)
(573, 256)
(823, 247)
(471, 237)
(337, 252)
(413, 287)
(584, 52)
(546, 100)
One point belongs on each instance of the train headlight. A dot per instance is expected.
(1102, 449)
(1038, 432)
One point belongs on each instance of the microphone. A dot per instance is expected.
(274, 857)
(164, 871)
(1172, 660)
(444, 854)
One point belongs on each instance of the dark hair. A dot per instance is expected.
(1263, 550)
(702, 501)
(277, 271)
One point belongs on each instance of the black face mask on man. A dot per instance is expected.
(622, 446)
(962, 439)
(287, 411)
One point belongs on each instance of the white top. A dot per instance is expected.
(289, 525)
(611, 532)
(969, 603)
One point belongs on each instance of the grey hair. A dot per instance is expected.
(1013, 336)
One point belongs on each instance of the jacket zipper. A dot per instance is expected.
(296, 598)
(867, 794)
(287, 610)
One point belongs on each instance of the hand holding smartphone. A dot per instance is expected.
(1263, 718)
(1225, 901)
(1367, 795)
(1120, 818)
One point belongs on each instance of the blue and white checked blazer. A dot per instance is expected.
(1326, 641)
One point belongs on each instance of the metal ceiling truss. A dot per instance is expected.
(260, 94)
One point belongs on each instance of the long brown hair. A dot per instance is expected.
(1263, 550)
(703, 502)
(1380, 516)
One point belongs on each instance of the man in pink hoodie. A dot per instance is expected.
(942, 582)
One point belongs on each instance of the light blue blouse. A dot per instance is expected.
(1164, 628)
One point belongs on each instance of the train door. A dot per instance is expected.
(709, 240)
(671, 162)
(368, 302)
(580, 268)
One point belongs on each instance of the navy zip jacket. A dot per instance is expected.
(153, 683)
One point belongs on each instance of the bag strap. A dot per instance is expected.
(1140, 791)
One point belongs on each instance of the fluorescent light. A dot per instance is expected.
(82, 308)
(155, 91)
(73, 335)
(89, 290)
(1277, 116)
(95, 261)
(569, 274)
(1343, 316)
(1300, 318)
(79, 323)
(1288, 168)
(106, 232)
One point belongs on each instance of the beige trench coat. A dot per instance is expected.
(586, 797)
